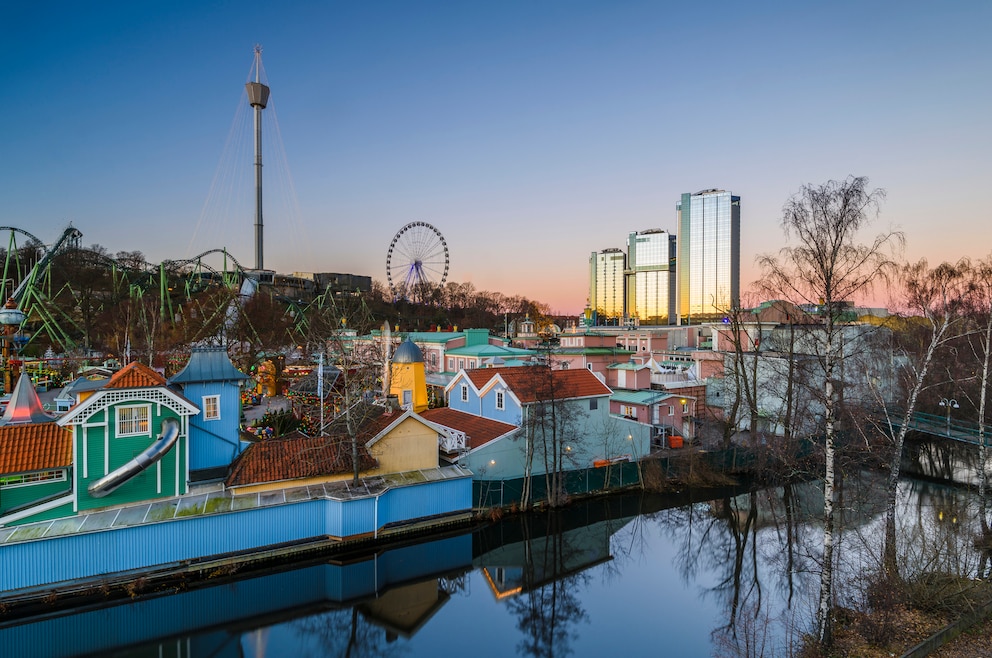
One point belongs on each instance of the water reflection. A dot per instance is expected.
(732, 576)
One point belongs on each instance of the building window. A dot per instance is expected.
(31, 478)
(464, 393)
(671, 410)
(211, 407)
(685, 407)
(564, 365)
(451, 365)
(471, 363)
(134, 421)
(433, 359)
(628, 411)
(589, 366)
(500, 402)
(593, 405)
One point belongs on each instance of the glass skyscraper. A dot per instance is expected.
(651, 277)
(709, 255)
(606, 285)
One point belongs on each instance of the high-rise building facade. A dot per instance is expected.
(606, 285)
(709, 255)
(651, 277)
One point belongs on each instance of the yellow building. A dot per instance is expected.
(408, 381)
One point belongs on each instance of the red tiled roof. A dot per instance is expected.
(34, 447)
(135, 375)
(296, 455)
(478, 430)
(537, 383)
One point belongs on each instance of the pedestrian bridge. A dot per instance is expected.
(941, 448)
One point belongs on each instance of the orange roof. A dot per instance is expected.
(135, 375)
(478, 430)
(540, 383)
(34, 447)
(296, 455)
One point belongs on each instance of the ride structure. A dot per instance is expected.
(416, 262)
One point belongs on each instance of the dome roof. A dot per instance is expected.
(408, 352)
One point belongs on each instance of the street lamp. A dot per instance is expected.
(950, 403)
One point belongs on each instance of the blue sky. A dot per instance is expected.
(530, 133)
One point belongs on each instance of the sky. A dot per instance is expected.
(529, 133)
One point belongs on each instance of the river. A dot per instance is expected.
(639, 575)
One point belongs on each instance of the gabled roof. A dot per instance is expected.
(540, 383)
(296, 456)
(25, 405)
(136, 375)
(490, 351)
(81, 385)
(34, 447)
(208, 364)
(478, 430)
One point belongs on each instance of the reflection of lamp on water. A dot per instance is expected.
(11, 318)
(950, 403)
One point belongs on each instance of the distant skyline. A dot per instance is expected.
(529, 133)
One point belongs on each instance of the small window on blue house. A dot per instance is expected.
(211, 407)
(134, 420)
(464, 393)
(500, 401)
(593, 404)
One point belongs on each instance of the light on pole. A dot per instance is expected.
(950, 403)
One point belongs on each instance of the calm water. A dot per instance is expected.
(651, 576)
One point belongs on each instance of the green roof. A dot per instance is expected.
(640, 397)
(487, 351)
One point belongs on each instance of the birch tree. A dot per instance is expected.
(980, 301)
(935, 295)
(828, 263)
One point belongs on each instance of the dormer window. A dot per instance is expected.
(464, 393)
(134, 420)
(500, 400)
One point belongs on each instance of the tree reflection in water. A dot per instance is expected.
(548, 608)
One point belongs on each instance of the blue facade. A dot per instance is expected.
(102, 631)
(87, 555)
(214, 442)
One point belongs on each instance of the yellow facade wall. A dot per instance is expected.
(410, 446)
(409, 377)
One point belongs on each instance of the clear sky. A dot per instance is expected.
(531, 133)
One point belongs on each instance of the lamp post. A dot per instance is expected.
(950, 403)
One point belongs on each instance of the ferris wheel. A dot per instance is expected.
(417, 261)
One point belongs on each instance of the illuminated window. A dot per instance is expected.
(211, 407)
(32, 478)
(134, 420)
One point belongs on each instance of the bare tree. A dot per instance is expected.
(980, 339)
(936, 295)
(827, 264)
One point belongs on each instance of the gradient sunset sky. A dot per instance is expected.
(530, 133)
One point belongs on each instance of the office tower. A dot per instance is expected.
(606, 285)
(651, 277)
(709, 255)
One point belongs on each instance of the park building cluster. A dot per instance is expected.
(669, 278)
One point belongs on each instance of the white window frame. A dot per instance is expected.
(671, 410)
(147, 421)
(207, 415)
(464, 392)
(500, 400)
(27, 479)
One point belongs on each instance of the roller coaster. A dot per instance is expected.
(66, 291)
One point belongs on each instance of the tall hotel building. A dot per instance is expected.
(651, 277)
(709, 255)
(606, 285)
